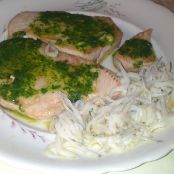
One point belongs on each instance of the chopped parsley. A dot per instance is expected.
(137, 48)
(81, 31)
(19, 34)
(138, 64)
(20, 58)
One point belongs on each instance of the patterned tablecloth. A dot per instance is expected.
(161, 166)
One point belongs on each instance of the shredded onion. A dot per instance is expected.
(101, 126)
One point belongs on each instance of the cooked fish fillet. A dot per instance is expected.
(142, 58)
(47, 105)
(45, 101)
(24, 21)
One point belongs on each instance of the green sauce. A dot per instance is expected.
(83, 32)
(137, 48)
(19, 34)
(35, 123)
(20, 58)
(138, 64)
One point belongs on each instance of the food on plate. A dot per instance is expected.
(30, 80)
(88, 37)
(136, 52)
(48, 70)
(102, 126)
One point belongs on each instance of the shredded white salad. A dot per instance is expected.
(101, 126)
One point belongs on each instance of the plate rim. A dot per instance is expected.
(140, 163)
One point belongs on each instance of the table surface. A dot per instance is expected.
(160, 166)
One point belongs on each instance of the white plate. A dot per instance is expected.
(23, 147)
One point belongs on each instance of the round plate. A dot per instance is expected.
(23, 146)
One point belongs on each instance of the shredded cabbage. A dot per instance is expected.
(101, 125)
